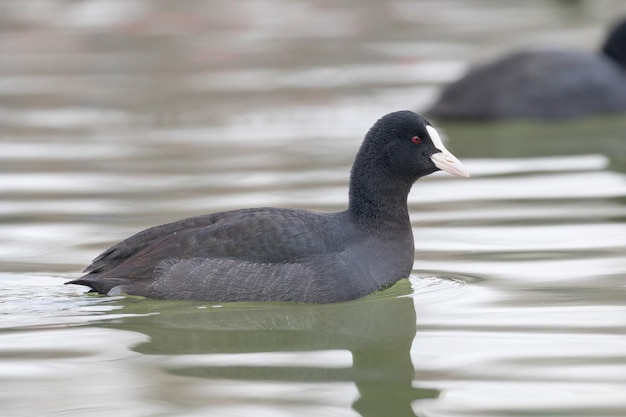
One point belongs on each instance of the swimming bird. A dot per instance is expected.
(543, 84)
(278, 254)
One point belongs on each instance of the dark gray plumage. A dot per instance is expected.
(262, 254)
(547, 84)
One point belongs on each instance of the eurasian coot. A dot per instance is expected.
(546, 84)
(263, 254)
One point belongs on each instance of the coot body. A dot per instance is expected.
(272, 254)
(545, 84)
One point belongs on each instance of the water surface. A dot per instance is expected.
(117, 116)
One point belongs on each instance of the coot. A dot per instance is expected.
(274, 254)
(546, 84)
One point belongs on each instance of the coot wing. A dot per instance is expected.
(256, 235)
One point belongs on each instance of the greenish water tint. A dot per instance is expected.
(599, 135)
(117, 116)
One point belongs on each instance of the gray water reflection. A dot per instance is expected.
(119, 115)
(283, 344)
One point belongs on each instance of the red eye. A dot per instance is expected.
(416, 139)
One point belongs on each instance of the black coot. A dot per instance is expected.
(547, 84)
(263, 254)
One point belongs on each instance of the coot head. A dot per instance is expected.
(615, 44)
(407, 145)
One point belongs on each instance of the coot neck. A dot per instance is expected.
(378, 198)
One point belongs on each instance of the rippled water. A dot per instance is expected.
(119, 115)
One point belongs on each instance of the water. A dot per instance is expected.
(117, 116)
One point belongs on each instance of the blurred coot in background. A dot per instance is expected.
(543, 84)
